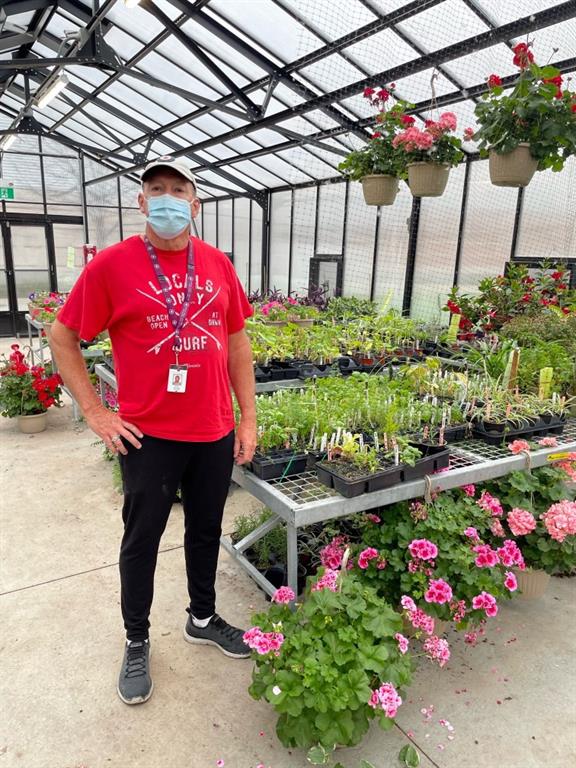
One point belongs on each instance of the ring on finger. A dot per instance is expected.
(116, 439)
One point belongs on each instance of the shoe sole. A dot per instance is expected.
(205, 641)
(138, 699)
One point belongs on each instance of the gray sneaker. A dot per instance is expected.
(219, 633)
(135, 684)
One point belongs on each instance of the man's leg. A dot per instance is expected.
(151, 476)
(205, 486)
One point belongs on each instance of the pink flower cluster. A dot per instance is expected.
(517, 446)
(365, 556)
(373, 518)
(416, 616)
(423, 549)
(283, 595)
(413, 139)
(459, 610)
(548, 442)
(510, 581)
(386, 697)
(332, 554)
(439, 591)
(418, 511)
(437, 649)
(469, 490)
(486, 602)
(560, 520)
(496, 528)
(403, 642)
(486, 557)
(263, 642)
(490, 503)
(327, 581)
(472, 533)
(509, 554)
(266, 308)
(569, 466)
(521, 522)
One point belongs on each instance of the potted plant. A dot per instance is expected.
(332, 665)
(531, 128)
(26, 392)
(430, 153)
(43, 306)
(541, 517)
(380, 165)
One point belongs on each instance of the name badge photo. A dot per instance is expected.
(177, 375)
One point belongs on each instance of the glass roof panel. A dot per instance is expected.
(269, 25)
(345, 16)
(331, 73)
(261, 175)
(266, 137)
(59, 25)
(89, 75)
(138, 18)
(283, 169)
(158, 105)
(308, 162)
(210, 125)
(503, 13)
(124, 44)
(417, 87)
(183, 58)
(242, 144)
(219, 152)
(321, 119)
(443, 25)
(188, 133)
(21, 19)
(381, 51)
(475, 68)
(217, 48)
(288, 95)
(561, 36)
(387, 6)
(163, 68)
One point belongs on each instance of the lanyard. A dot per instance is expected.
(176, 320)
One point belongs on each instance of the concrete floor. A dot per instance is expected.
(510, 700)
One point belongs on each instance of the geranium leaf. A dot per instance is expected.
(409, 756)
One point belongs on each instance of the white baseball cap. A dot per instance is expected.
(178, 164)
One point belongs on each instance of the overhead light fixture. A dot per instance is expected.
(7, 141)
(131, 3)
(53, 90)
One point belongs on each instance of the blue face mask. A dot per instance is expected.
(168, 215)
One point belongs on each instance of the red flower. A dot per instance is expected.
(557, 275)
(523, 57)
(453, 307)
(408, 119)
(429, 123)
(561, 286)
(494, 81)
(368, 92)
(566, 310)
(528, 280)
(526, 298)
(559, 94)
(376, 135)
(556, 80)
(383, 95)
(573, 107)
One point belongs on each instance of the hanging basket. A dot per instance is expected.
(427, 179)
(513, 169)
(379, 189)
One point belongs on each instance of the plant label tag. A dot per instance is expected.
(177, 375)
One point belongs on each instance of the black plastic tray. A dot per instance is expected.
(386, 478)
(275, 464)
(434, 457)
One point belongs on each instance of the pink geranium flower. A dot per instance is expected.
(365, 556)
(517, 446)
(469, 490)
(437, 649)
(423, 549)
(521, 521)
(487, 602)
(560, 520)
(510, 581)
(386, 698)
(486, 557)
(329, 580)
(490, 504)
(283, 595)
(472, 533)
(403, 642)
(510, 554)
(548, 442)
(439, 591)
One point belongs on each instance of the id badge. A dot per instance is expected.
(177, 378)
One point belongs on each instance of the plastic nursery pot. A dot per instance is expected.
(276, 463)
(434, 457)
(427, 179)
(328, 474)
(512, 169)
(532, 583)
(31, 425)
(379, 189)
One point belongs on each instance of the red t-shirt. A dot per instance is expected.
(119, 291)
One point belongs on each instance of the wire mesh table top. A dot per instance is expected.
(304, 488)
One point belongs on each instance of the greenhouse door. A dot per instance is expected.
(326, 273)
(27, 264)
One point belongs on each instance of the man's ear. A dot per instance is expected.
(142, 203)
(195, 207)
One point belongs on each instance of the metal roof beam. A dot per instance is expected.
(196, 50)
(545, 18)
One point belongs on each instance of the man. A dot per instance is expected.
(175, 312)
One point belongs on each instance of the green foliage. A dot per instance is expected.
(409, 756)
(535, 112)
(26, 390)
(338, 647)
(272, 543)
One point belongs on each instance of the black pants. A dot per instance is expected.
(151, 476)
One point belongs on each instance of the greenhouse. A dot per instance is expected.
(288, 367)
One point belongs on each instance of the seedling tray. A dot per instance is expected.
(367, 484)
(276, 463)
(434, 457)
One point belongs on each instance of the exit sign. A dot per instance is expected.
(6, 193)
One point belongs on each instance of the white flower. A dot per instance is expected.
(276, 690)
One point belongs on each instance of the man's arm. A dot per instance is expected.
(241, 372)
(65, 344)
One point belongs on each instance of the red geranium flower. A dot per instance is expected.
(556, 80)
(408, 119)
(383, 95)
(494, 81)
(522, 56)
(557, 275)
(526, 298)
(368, 92)
(376, 135)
